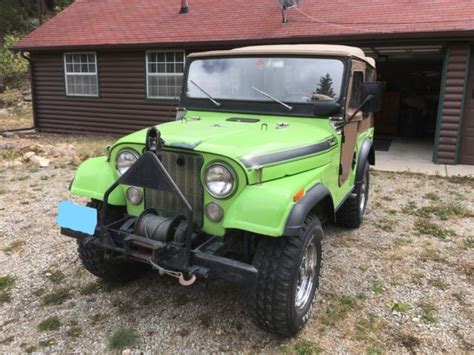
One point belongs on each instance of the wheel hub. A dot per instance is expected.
(306, 275)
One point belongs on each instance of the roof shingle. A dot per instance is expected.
(94, 23)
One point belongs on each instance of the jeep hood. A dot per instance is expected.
(242, 137)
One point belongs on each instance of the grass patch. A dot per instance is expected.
(386, 223)
(7, 340)
(90, 288)
(205, 320)
(432, 196)
(445, 211)
(30, 349)
(425, 227)
(366, 327)
(51, 323)
(46, 343)
(373, 350)
(302, 347)
(459, 296)
(376, 286)
(409, 208)
(410, 342)
(20, 178)
(3, 191)
(120, 306)
(14, 246)
(10, 154)
(39, 292)
(338, 310)
(74, 331)
(400, 242)
(399, 306)
(428, 312)
(55, 276)
(57, 297)
(439, 283)
(305, 347)
(468, 243)
(6, 284)
(432, 254)
(97, 318)
(122, 338)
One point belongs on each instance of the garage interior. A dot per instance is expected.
(411, 76)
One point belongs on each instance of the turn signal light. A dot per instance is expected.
(297, 196)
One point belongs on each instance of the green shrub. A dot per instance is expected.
(51, 323)
(13, 67)
(122, 338)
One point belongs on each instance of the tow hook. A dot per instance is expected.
(176, 274)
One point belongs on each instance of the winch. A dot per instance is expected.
(164, 229)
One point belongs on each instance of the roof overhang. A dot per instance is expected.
(358, 39)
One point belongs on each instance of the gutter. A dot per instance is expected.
(33, 100)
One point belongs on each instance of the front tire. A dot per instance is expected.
(108, 267)
(105, 265)
(351, 213)
(288, 276)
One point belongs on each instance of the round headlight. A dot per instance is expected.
(125, 160)
(219, 181)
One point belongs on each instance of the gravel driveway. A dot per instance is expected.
(403, 282)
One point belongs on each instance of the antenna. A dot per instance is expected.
(285, 5)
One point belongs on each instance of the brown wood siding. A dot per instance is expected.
(466, 149)
(121, 107)
(457, 58)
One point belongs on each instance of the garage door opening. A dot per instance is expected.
(411, 76)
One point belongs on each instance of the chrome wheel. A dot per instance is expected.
(306, 276)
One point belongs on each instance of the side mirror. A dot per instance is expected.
(372, 94)
(326, 108)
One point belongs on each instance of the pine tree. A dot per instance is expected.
(325, 86)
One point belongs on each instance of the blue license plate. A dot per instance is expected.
(76, 217)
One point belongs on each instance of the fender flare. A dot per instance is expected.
(301, 209)
(366, 153)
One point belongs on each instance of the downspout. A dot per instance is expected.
(33, 99)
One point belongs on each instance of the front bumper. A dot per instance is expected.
(205, 260)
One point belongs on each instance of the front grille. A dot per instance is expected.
(185, 169)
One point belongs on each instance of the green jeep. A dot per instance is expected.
(269, 143)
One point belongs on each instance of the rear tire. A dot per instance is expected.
(288, 276)
(351, 213)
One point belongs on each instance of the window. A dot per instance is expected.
(81, 74)
(356, 90)
(164, 74)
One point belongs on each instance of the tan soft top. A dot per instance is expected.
(298, 49)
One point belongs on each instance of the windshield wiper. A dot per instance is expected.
(288, 107)
(206, 93)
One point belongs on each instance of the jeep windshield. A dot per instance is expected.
(288, 80)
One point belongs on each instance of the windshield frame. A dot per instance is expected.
(261, 106)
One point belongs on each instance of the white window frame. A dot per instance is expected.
(148, 96)
(66, 74)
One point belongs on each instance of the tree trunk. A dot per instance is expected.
(42, 9)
